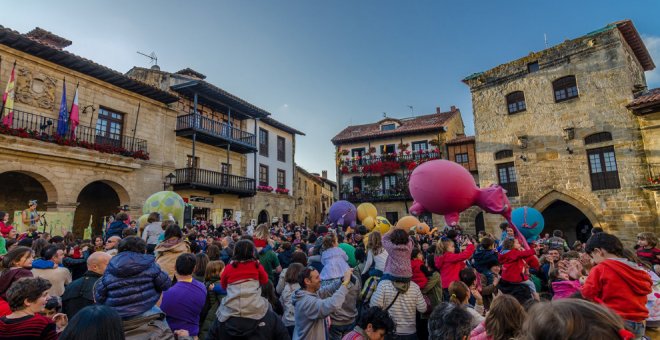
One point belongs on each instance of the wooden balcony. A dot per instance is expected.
(213, 181)
(215, 133)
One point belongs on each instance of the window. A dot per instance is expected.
(109, 127)
(263, 175)
(502, 154)
(281, 143)
(602, 168)
(192, 163)
(225, 168)
(565, 88)
(533, 67)
(387, 127)
(461, 158)
(423, 145)
(392, 217)
(316, 188)
(357, 152)
(263, 142)
(357, 184)
(389, 183)
(515, 101)
(389, 148)
(506, 173)
(281, 178)
(598, 137)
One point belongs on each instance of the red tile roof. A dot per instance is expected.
(647, 98)
(407, 126)
(461, 139)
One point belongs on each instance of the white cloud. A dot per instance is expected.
(653, 45)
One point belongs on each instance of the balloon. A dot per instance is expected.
(142, 221)
(342, 213)
(382, 225)
(447, 188)
(369, 222)
(407, 222)
(423, 229)
(165, 202)
(529, 222)
(365, 210)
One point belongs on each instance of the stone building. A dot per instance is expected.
(116, 158)
(328, 192)
(462, 151)
(554, 130)
(374, 161)
(274, 171)
(308, 192)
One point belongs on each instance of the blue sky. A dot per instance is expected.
(320, 66)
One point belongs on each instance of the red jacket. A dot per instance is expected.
(620, 285)
(251, 270)
(4, 307)
(513, 264)
(450, 265)
(5, 228)
(418, 276)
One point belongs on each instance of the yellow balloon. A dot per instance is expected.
(365, 210)
(423, 229)
(382, 225)
(142, 221)
(407, 222)
(165, 203)
(369, 222)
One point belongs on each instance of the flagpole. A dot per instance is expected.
(137, 116)
(2, 110)
(73, 102)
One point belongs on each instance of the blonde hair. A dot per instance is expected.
(375, 243)
(329, 240)
(441, 246)
(262, 232)
(505, 318)
(458, 292)
(570, 319)
(650, 238)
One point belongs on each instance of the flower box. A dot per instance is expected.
(283, 191)
(264, 188)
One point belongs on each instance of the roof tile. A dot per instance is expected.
(647, 98)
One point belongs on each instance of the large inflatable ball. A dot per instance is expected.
(423, 229)
(142, 221)
(407, 223)
(165, 202)
(529, 222)
(382, 225)
(366, 213)
(342, 213)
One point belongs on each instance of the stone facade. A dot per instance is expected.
(547, 139)
(308, 193)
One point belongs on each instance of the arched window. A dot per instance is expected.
(565, 88)
(502, 154)
(515, 102)
(598, 137)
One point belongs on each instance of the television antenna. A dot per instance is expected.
(152, 56)
(412, 110)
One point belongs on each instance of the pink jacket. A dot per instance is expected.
(479, 332)
(564, 289)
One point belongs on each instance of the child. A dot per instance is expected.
(515, 279)
(334, 260)
(647, 251)
(503, 322)
(616, 282)
(215, 294)
(489, 285)
(459, 294)
(291, 281)
(53, 310)
(242, 279)
(449, 263)
(484, 255)
(420, 273)
(398, 245)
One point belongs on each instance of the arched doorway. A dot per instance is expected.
(17, 189)
(570, 220)
(263, 217)
(98, 200)
(479, 224)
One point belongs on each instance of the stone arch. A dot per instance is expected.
(263, 217)
(124, 196)
(554, 195)
(97, 199)
(41, 175)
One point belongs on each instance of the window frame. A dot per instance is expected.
(598, 137)
(515, 102)
(503, 154)
(281, 152)
(462, 155)
(533, 67)
(263, 142)
(603, 179)
(263, 182)
(105, 134)
(282, 184)
(192, 163)
(385, 147)
(389, 182)
(565, 84)
(388, 127)
(511, 186)
(424, 143)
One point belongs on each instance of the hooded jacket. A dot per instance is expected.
(79, 294)
(451, 264)
(270, 327)
(115, 229)
(167, 252)
(311, 310)
(513, 264)
(482, 258)
(620, 285)
(132, 284)
(398, 259)
(10, 276)
(564, 289)
(335, 263)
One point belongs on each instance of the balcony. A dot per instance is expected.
(213, 181)
(376, 196)
(43, 128)
(215, 133)
(387, 163)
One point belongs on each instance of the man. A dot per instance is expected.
(80, 293)
(30, 216)
(111, 245)
(48, 267)
(313, 305)
(118, 226)
(553, 256)
(557, 241)
(183, 302)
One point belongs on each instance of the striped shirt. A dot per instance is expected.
(404, 308)
(29, 327)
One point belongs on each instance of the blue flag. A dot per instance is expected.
(62, 121)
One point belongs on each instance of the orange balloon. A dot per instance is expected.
(407, 222)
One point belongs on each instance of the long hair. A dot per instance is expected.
(458, 292)
(292, 273)
(262, 232)
(94, 322)
(244, 251)
(375, 243)
(505, 318)
(213, 270)
(13, 256)
(201, 260)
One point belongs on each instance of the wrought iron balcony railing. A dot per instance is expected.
(215, 182)
(216, 132)
(376, 196)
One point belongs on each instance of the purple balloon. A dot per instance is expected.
(342, 213)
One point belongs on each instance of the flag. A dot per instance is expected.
(62, 121)
(8, 100)
(74, 117)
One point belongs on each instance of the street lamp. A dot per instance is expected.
(300, 201)
(169, 179)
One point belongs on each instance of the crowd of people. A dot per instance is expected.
(290, 281)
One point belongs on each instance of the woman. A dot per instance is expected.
(5, 227)
(15, 265)
(27, 299)
(199, 272)
(168, 250)
(376, 255)
(291, 285)
(152, 231)
(503, 322)
(98, 243)
(94, 322)
(297, 257)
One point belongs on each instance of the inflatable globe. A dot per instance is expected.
(165, 202)
(529, 222)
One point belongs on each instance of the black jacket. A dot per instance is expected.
(270, 327)
(79, 294)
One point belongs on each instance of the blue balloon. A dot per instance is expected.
(529, 222)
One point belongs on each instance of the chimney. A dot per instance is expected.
(324, 174)
(48, 38)
(453, 108)
(437, 109)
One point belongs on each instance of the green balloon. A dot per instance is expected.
(165, 203)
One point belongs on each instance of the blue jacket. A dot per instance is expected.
(42, 264)
(115, 228)
(132, 284)
(483, 259)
